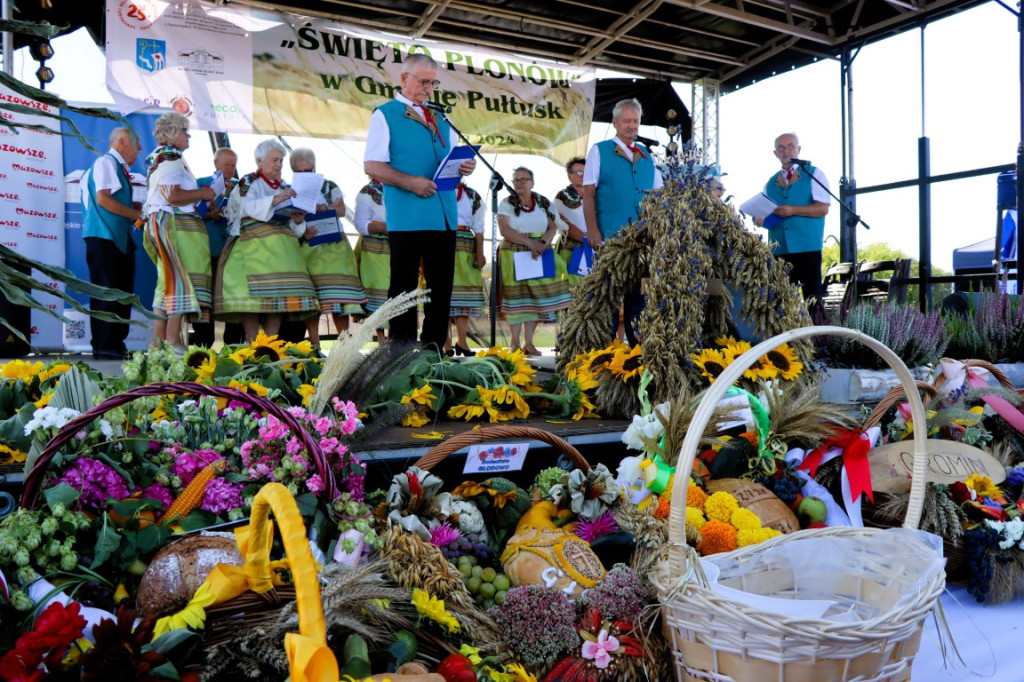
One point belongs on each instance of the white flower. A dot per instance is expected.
(647, 425)
(49, 416)
(470, 518)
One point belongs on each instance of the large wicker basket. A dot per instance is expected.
(716, 637)
(442, 450)
(36, 475)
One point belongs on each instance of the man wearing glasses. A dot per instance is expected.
(405, 144)
(802, 205)
(616, 175)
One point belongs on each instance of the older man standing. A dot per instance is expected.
(802, 205)
(617, 173)
(405, 145)
(109, 251)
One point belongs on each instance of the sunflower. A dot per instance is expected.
(733, 349)
(306, 391)
(250, 388)
(19, 369)
(420, 396)
(785, 360)
(509, 395)
(466, 411)
(304, 347)
(628, 363)
(44, 400)
(710, 361)
(494, 399)
(196, 357)
(53, 370)
(415, 419)
(761, 369)
(205, 371)
(267, 347)
(9, 455)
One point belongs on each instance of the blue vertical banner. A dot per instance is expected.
(78, 159)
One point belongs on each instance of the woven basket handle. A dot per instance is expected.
(999, 374)
(440, 451)
(34, 478)
(896, 394)
(677, 516)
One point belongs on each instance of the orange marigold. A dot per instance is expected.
(664, 507)
(695, 496)
(716, 537)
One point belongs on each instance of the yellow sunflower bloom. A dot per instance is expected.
(204, 373)
(710, 362)
(467, 411)
(761, 369)
(785, 360)
(306, 391)
(9, 455)
(44, 400)
(433, 608)
(420, 396)
(519, 673)
(192, 616)
(53, 370)
(415, 419)
(267, 347)
(472, 489)
(19, 369)
(627, 363)
(983, 485)
(304, 347)
(241, 355)
(733, 349)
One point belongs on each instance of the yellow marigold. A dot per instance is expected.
(720, 506)
(695, 518)
(664, 508)
(744, 519)
(695, 496)
(755, 536)
(716, 536)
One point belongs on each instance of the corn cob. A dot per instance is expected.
(192, 496)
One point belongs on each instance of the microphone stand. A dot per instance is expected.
(854, 217)
(497, 182)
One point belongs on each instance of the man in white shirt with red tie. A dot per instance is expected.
(109, 215)
(617, 174)
(405, 144)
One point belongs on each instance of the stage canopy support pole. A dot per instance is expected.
(704, 117)
(848, 182)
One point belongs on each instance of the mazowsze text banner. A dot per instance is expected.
(237, 69)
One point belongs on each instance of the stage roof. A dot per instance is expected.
(736, 42)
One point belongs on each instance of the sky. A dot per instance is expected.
(972, 118)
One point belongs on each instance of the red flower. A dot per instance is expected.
(55, 629)
(960, 492)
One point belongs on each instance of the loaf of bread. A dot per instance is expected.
(178, 570)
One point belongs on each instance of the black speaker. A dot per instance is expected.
(18, 317)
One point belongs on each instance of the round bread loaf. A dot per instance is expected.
(178, 570)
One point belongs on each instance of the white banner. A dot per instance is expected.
(245, 70)
(31, 206)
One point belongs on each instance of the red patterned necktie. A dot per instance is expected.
(432, 124)
(789, 175)
(637, 152)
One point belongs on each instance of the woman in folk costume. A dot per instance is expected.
(468, 287)
(332, 266)
(528, 224)
(373, 248)
(569, 205)
(262, 271)
(175, 235)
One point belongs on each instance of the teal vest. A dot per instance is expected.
(620, 186)
(796, 234)
(99, 222)
(415, 150)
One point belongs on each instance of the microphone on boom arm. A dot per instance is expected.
(798, 162)
(437, 107)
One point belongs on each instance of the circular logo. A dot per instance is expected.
(182, 105)
(137, 14)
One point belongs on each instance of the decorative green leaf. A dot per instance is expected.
(61, 493)
(106, 543)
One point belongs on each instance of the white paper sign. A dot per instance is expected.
(307, 191)
(495, 458)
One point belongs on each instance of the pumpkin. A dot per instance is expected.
(772, 511)
(553, 558)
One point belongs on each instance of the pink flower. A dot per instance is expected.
(600, 652)
(443, 535)
(293, 446)
(323, 426)
(315, 484)
(591, 530)
(222, 496)
(156, 491)
(328, 445)
(187, 464)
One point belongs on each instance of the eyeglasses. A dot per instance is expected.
(791, 145)
(434, 85)
(519, 181)
(575, 172)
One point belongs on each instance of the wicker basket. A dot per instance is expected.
(715, 637)
(442, 450)
(35, 476)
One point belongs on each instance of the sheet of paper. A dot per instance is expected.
(307, 191)
(218, 183)
(487, 458)
(759, 205)
(447, 175)
(527, 267)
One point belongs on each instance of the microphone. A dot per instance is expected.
(437, 107)
(798, 162)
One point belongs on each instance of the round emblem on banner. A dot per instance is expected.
(137, 14)
(182, 105)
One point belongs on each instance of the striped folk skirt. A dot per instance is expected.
(532, 300)
(263, 271)
(374, 252)
(468, 288)
(179, 247)
(335, 275)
